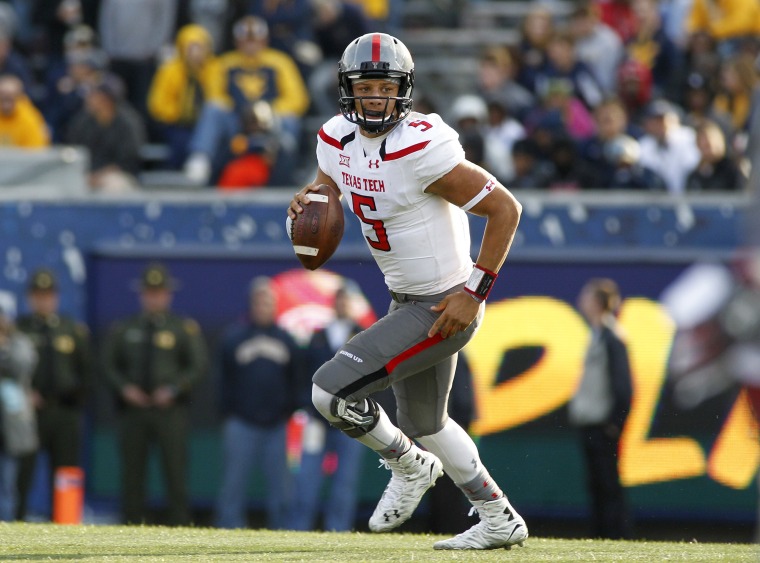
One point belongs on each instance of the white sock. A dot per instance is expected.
(385, 438)
(456, 450)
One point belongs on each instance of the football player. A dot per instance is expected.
(405, 176)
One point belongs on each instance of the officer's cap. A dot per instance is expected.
(43, 280)
(156, 276)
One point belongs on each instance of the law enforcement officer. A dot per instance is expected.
(18, 428)
(60, 381)
(153, 360)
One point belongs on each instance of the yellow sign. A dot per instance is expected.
(562, 333)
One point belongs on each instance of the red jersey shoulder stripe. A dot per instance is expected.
(329, 140)
(332, 141)
(405, 151)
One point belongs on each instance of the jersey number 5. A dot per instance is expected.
(358, 203)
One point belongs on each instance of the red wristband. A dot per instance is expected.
(480, 283)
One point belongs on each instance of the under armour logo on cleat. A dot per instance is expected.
(388, 515)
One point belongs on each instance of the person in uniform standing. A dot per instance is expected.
(153, 360)
(60, 382)
(18, 428)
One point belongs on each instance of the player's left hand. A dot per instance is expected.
(458, 310)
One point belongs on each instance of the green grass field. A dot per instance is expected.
(48, 542)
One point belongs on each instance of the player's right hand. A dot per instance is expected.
(299, 199)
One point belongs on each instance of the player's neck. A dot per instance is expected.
(371, 135)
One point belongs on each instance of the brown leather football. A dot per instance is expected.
(316, 232)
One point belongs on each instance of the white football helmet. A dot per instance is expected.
(376, 55)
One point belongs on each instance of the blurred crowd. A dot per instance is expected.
(216, 88)
(620, 94)
(614, 94)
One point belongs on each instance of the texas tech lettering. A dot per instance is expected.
(365, 184)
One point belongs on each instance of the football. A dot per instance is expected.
(316, 232)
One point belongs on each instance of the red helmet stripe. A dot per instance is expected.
(376, 47)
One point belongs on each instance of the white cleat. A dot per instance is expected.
(412, 474)
(500, 526)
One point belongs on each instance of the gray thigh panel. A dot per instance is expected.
(398, 340)
(422, 400)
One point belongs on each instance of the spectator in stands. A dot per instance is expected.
(715, 170)
(560, 107)
(698, 105)
(701, 57)
(502, 131)
(181, 86)
(290, 29)
(497, 71)
(217, 17)
(13, 63)
(254, 150)
(668, 147)
(252, 72)
(596, 45)
(618, 14)
(327, 453)
(469, 115)
(80, 38)
(474, 146)
(674, 14)
(113, 132)
(133, 33)
(562, 63)
(66, 94)
(611, 122)
(543, 132)
(9, 18)
(21, 123)
(568, 172)
(336, 23)
(736, 88)
(651, 46)
(535, 31)
(382, 15)
(57, 18)
(634, 88)
(728, 22)
(258, 368)
(487, 131)
(623, 158)
(530, 171)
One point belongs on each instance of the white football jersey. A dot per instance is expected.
(420, 241)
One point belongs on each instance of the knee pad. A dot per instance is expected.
(357, 419)
(322, 401)
(354, 419)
